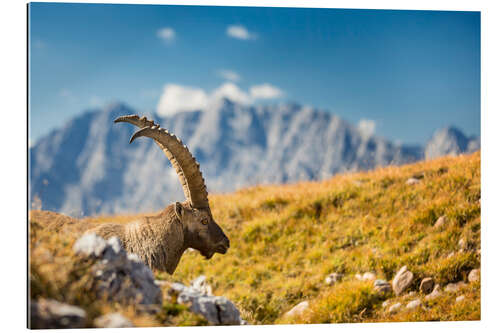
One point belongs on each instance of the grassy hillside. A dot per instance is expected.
(286, 239)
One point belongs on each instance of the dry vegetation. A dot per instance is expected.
(286, 239)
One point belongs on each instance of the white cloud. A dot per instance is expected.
(176, 98)
(167, 34)
(233, 92)
(367, 127)
(240, 32)
(265, 91)
(229, 75)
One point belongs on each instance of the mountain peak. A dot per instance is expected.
(450, 140)
(88, 167)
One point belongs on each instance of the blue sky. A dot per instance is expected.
(404, 73)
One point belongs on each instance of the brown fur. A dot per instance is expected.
(159, 240)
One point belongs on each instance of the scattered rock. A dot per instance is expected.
(47, 313)
(435, 292)
(402, 280)
(385, 303)
(453, 287)
(452, 253)
(90, 245)
(368, 276)
(459, 298)
(426, 285)
(382, 286)
(474, 275)
(297, 309)
(218, 310)
(200, 284)
(413, 304)
(118, 275)
(112, 320)
(412, 181)
(462, 244)
(358, 276)
(409, 295)
(441, 221)
(332, 278)
(395, 308)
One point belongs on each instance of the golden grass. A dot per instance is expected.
(286, 238)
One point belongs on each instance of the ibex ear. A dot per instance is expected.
(179, 210)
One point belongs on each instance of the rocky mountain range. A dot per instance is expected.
(87, 167)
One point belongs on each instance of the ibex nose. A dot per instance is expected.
(223, 245)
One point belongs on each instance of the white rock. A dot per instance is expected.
(386, 303)
(474, 275)
(413, 304)
(412, 181)
(368, 276)
(462, 243)
(395, 308)
(332, 278)
(441, 221)
(90, 245)
(218, 310)
(358, 276)
(460, 298)
(409, 295)
(48, 313)
(402, 280)
(112, 320)
(298, 309)
(453, 287)
(436, 292)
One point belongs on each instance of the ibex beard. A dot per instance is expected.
(160, 240)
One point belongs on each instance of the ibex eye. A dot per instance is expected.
(204, 221)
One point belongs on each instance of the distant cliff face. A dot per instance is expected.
(87, 167)
(450, 141)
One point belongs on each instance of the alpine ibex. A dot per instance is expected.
(160, 240)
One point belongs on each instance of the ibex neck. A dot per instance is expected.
(157, 240)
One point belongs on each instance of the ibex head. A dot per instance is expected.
(200, 231)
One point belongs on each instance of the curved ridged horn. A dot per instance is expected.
(178, 154)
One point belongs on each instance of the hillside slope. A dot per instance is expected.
(286, 239)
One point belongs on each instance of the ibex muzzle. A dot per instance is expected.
(161, 240)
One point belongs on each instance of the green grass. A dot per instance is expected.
(286, 239)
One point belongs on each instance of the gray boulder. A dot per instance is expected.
(382, 286)
(402, 280)
(426, 285)
(118, 275)
(218, 310)
(47, 313)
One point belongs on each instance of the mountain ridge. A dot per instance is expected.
(87, 167)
